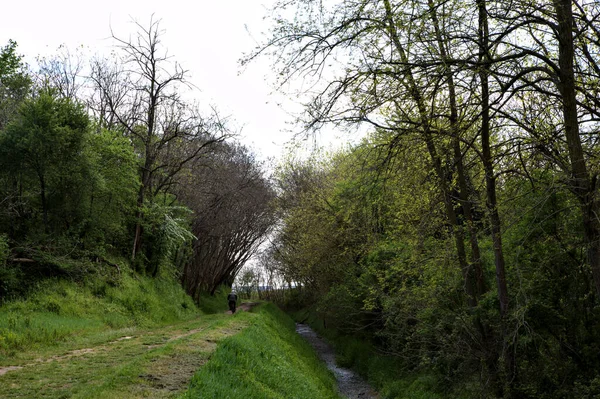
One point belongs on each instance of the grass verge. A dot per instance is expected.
(267, 360)
(153, 363)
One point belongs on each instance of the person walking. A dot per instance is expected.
(232, 299)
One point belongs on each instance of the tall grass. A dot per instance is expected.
(59, 309)
(267, 360)
(216, 303)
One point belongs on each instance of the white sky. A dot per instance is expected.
(206, 37)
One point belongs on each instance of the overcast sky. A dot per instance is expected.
(206, 37)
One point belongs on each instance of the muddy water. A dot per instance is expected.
(350, 384)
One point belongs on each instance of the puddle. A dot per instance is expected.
(350, 384)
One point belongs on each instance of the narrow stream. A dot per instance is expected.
(350, 384)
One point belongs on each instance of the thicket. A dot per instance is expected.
(374, 252)
(382, 370)
(103, 163)
(462, 235)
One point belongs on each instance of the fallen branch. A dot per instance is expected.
(22, 260)
(99, 258)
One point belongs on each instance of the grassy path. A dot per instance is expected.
(128, 363)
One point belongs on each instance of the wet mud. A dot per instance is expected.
(350, 385)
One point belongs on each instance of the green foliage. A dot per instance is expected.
(556, 323)
(14, 82)
(266, 360)
(10, 276)
(374, 248)
(383, 371)
(111, 191)
(4, 250)
(69, 193)
(42, 152)
(167, 229)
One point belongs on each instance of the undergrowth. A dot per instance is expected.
(385, 373)
(267, 360)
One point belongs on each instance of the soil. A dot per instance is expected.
(4, 370)
(350, 385)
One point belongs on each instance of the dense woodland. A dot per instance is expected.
(105, 163)
(463, 234)
(461, 237)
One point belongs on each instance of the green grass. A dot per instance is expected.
(112, 336)
(154, 363)
(135, 337)
(216, 303)
(59, 311)
(267, 360)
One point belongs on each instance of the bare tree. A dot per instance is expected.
(142, 96)
(232, 217)
(63, 72)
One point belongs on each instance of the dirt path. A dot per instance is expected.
(157, 363)
(350, 384)
(246, 307)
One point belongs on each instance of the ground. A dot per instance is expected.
(128, 363)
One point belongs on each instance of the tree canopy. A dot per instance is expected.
(473, 190)
(103, 161)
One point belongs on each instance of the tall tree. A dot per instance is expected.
(144, 99)
(44, 143)
(549, 56)
(232, 216)
(393, 80)
(15, 82)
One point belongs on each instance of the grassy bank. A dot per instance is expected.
(135, 337)
(267, 360)
(66, 312)
(384, 373)
(118, 336)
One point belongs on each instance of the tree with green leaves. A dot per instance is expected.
(15, 82)
(497, 95)
(43, 149)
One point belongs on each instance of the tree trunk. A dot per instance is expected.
(506, 357)
(475, 270)
(488, 166)
(146, 180)
(435, 158)
(581, 183)
(137, 239)
(43, 199)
